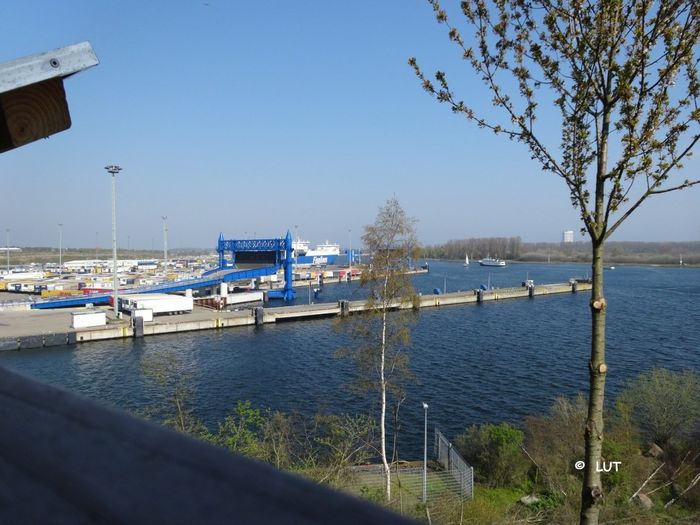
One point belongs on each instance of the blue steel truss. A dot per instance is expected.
(282, 248)
(232, 246)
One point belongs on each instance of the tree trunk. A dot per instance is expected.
(382, 383)
(592, 491)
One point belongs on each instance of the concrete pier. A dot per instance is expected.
(37, 328)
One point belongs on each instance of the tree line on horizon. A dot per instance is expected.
(513, 248)
(476, 248)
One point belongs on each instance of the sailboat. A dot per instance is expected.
(466, 259)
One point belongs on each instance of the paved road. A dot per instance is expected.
(38, 322)
(35, 322)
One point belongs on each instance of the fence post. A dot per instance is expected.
(471, 482)
(436, 447)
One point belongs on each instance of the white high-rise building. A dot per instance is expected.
(567, 236)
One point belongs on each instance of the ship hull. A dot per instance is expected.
(492, 262)
(315, 260)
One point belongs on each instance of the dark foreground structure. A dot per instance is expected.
(65, 459)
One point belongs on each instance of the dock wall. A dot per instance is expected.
(261, 316)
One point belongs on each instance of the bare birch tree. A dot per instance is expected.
(382, 333)
(623, 76)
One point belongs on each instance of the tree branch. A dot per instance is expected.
(646, 481)
(695, 481)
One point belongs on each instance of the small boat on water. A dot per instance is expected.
(466, 260)
(489, 261)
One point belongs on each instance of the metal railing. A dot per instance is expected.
(454, 463)
(406, 484)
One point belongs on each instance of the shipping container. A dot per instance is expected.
(89, 290)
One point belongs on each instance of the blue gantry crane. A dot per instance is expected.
(273, 254)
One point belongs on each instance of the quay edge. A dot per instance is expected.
(34, 335)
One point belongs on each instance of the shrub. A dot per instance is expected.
(664, 405)
(494, 452)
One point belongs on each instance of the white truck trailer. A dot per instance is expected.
(159, 303)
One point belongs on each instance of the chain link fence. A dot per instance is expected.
(455, 465)
(449, 476)
(406, 484)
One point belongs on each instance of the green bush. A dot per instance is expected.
(375, 494)
(547, 501)
(555, 442)
(614, 451)
(495, 453)
(240, 432)
(664, 405)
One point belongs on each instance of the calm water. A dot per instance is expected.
(473, 363)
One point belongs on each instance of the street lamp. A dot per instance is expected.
(165, 240)
(296, 234)
(113, 170)
(350, 254)
(60, 247)
(425, 454)
(7, 248)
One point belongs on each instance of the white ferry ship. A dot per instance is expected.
(324, 253)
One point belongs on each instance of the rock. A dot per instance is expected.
(529, 500)
(655, 451)
(644, 501)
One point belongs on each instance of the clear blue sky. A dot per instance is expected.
(242, 117)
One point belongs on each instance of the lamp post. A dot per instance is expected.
(165, 240)
(7, 248)
(425, 454)
(60, 247)
(113, 170)
(350, 254)
(296, 234)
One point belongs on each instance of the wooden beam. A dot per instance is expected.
(65, 459)
(32, 112)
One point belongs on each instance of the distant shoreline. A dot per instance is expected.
(668, 254)
(587, 263)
